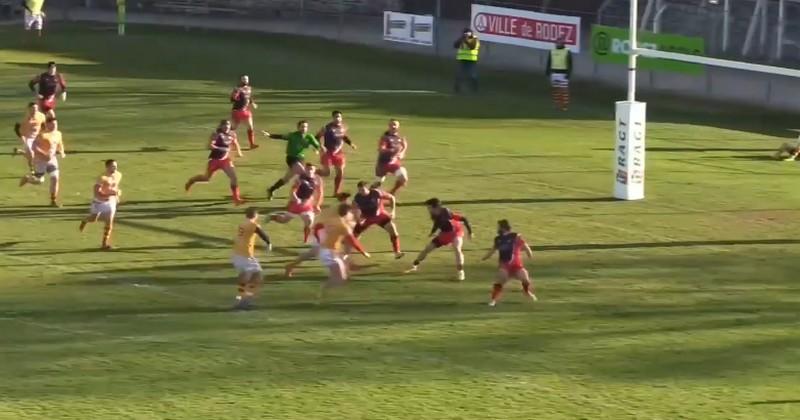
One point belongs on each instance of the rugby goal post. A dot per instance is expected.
(631, 116)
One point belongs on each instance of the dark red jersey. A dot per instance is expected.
(240, 97)
(370, 204)
(390, 147)
(305, 187)
(48, 84)
(509, 248)
(334, 136)
(221, 145)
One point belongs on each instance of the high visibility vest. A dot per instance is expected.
(558, 59)
(466, 54)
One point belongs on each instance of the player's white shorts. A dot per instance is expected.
(246, 264)
(104, 207)
(50, 167)
(33, 21)
(559, 80)
(329, 258)
(29, 144)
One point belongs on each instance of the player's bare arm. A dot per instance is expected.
(264, 237)
(318, 194)
(350, 142)
(528, 250)
(392, 202)
(237, 147)
(489, 253)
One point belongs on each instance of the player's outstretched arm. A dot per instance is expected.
(350, 142)
(264, 237)
(274, 136)
(392, 202)
(18, 131)
(354, 242)
(32, 84)
(319, 194)
(489, 253)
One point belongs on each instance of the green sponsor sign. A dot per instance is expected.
(610, 45)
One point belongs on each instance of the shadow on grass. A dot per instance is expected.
(775, 402)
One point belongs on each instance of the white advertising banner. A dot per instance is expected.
(629, 150)
(525, 28)
(407, 28)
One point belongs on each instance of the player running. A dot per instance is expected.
(27, 130)
(219, 158)
(243, 106)
(392, 149)
(451, 231)
(510, 246)
(45, 147)
(337, 231)
(49, 84)
(34, 15)
(334, 136)
(104, 204)
(244, 260)
(304, 202)
(370, 211)
(298, 142)
(317, 231)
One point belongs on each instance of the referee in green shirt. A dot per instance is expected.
(298, 142)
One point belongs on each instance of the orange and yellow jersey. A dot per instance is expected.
(336, 231)
(46, 145)
(245, 240)
(107, 183)
(30, 125)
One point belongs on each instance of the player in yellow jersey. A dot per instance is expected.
(27, 130)
(104, 204)
(317, 234)
(47, 145)
(337, 230)
(244, 259)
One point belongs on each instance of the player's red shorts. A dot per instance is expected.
(300, 208)
(446, 238)
(383, 169)
(47, 104)
(380, 219)
(241, 115)
(216, 164)
(333, 159)
(511, 267)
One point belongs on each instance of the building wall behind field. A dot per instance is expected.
(363, 25)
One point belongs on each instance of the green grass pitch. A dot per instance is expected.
(684, 305)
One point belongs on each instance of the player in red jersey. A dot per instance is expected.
(451, 231)
(510, 245)
(392, 149)
(219, 158)
(304, 202)
(243, 106)
(333, 137)
(369, 205)
(49, 84)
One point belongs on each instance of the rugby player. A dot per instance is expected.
(243, 106)
(46, 86)
(219, 159)
(510, 245)
(244, 259)
(304, 202)
(368, 203)
(45, 147)
(334, 136)
(450, 227)
(392, 149)
(104, 205)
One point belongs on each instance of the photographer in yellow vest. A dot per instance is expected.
(467, 47)
(559, 70)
